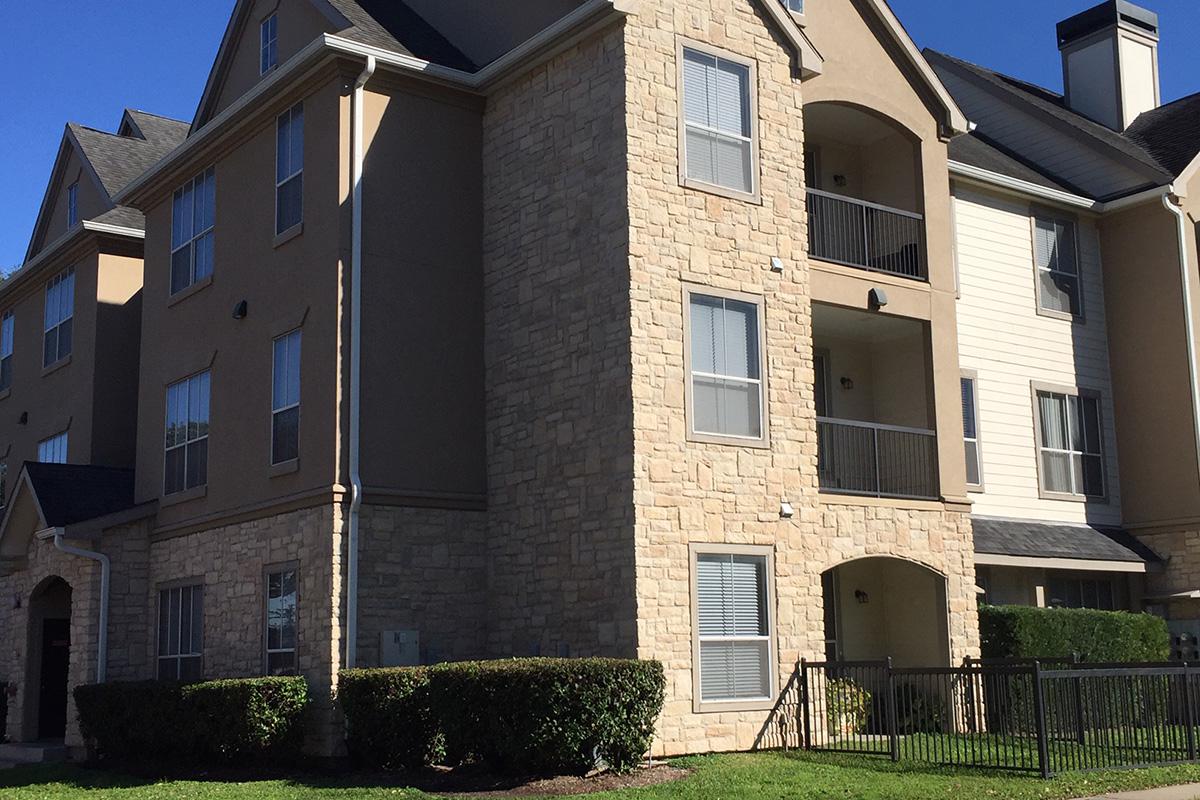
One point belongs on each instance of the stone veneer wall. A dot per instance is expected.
(129, 626)
(1180, 550)
(689, 492)
(423, 570)
(231, 562)
(556, 299)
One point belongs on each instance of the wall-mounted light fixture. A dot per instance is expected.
(240, 310)
(785, 509)
(776, 264)
(877, 299)
(862, 597)
(840, 180)
(847, 384)
(23, 419)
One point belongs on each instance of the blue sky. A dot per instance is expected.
(86, 60)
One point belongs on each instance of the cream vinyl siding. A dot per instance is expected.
(1041, 142)
(1010, 346)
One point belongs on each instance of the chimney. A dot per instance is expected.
(1110, 62)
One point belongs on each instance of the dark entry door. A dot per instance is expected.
(56, 659)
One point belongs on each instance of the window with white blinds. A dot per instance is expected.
(970, 414)
(734, 627)
(1057, 260)
(1070, 444)
(718, 137)
(726, 365)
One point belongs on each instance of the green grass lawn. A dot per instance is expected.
(772, 776)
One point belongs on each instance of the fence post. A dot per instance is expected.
(1077, 689)
(1189, 713)
(806, 722)
(890, 700)
(969, 674)
(1039, 710)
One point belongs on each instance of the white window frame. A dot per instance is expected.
(72, 204)
(1076, 494)
(65, 278)
(287, 340)
(699, 705)
(268, 651)
(54, 449)
(7, 331)
(973, 377)
(188, 439)
(298, 174)
(1068, 223)
(796, 7)
(190, 245)
(192, 587)
(764, 439)
(268, 44)
(755, 193)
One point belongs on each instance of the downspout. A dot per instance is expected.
(105, 574)
(1169, 202)
(356, 237)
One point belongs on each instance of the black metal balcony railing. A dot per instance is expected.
(863, 458)
(866, 235)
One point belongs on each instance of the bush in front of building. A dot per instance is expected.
(1059, 633)
(535, 716)
(245, 721)
(389, 720)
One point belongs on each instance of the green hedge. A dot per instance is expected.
(529, 716)
(389, 720)
(255, 720)
(1097, 636)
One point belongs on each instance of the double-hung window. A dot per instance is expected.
(726, 384)
(60, 312)
(187, 433)
(268, 37)
(718, 123)
(1070, 445)
(733, 627)
(7, 328)
(289, 169)
(180, 633)
(53, 450)
(970, 412)
(281, 622)
(193, 217)
(1057, 257)
(72, 204)
(285, 399)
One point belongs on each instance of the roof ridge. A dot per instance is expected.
(157, 116)
(78, 126)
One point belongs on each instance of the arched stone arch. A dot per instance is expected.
(47, 660)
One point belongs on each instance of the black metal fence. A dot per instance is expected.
(1044, 717)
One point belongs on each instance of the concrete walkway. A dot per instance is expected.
(1189, 792)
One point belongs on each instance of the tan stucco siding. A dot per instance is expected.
(91, 201)
(118, 334)
(1010, 346)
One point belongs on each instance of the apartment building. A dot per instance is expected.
(1076, 254)
(606, 328)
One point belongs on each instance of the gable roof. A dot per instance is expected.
(70, 493)
(1170, 133)
(977, 150)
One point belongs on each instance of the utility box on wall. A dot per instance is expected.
(400, 649)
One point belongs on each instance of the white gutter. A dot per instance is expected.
(1185, 276)
(1022, 187)
(356, 237)
(105, 576)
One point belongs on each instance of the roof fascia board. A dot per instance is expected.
(1079, 564)
(812, 63)
(956, 120)
(23, 481)
(996, 180)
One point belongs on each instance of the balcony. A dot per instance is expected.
(870, 236)
(874, 402)
(864, 190)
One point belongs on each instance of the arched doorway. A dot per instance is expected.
(49, 659)
(881, 607)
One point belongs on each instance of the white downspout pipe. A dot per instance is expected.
(1185, 277)
(105, 575)
(356, 241)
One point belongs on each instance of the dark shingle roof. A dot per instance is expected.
(1044, 540)
(391, 24)
(1051, 104)
(118, 159)
(124, 217)
(976, 150)
(163, 133)
(69, 493)
(1170, 133)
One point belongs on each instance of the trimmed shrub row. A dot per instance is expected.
(259, 720)
(528, 716)
(1097, 636)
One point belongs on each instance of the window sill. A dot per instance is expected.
(284, 468)
(183, 497)
(754, 198)
(184, 294)
(729, 441)
(717, 707)
(4, 395)
(56, 366)
(1071, 498)
(291, 233)
(1060, 315)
